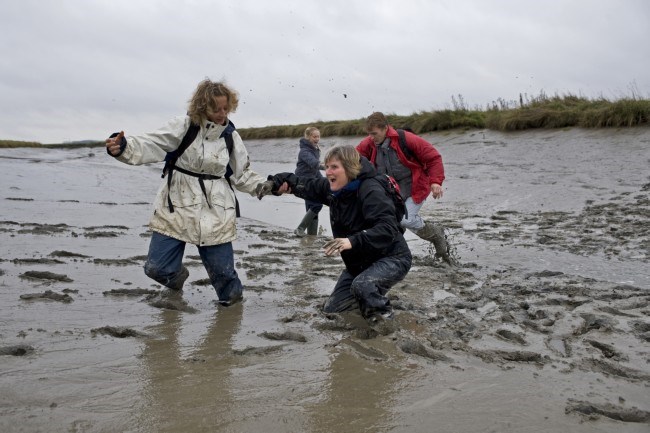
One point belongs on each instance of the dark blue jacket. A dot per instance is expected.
(308, 160)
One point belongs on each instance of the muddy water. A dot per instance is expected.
(542, 327)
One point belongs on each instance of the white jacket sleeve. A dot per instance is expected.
(153, 146)
(243, 177)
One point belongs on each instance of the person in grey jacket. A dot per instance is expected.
(196, 204)
(309, 166)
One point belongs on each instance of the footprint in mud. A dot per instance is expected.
(258, 351)
(512, 356)
(334, 322)
(511, 336)
(48, 295)
(287, 335)
(42, 229)
(614, 369)
(63, 253)
(641, 330)
(117, 332)
(607, 350)
(130, 292)
(413, 347)
(593, 322)
(41, 261)
(45, 276)
(364, 351)
(172, 304)
(115, 262)
(618, 413)
(17, 350)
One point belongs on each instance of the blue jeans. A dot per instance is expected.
(165, 265)
(368, 290)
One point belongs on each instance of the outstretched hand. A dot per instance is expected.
(336, 245)
(284, 188)
(264, 188)
(436, 190)
(113, 144)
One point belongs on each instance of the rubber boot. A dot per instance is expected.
(306, 220)
(174, 288)
(312, 229)
(435, 234)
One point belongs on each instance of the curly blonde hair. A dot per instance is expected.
(349, 158)
(309, 131)
(203, 101)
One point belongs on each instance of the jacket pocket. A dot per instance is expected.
(221, 195)
(184, 191)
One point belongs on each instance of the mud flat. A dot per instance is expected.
(542, 326)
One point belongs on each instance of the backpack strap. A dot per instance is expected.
(402, 143)
(172, 157)
(230, 143)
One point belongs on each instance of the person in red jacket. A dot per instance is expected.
(419, 172)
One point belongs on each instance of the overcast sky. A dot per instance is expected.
(81, 69)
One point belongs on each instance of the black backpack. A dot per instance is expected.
(392, 190)
(402, 142)
(172, 157)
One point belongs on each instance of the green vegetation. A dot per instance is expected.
(14, 143)
(528, 113)
(70, 145)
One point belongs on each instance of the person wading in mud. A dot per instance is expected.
(366, 231)
(309, 165)
(196, 203)
(418, 170)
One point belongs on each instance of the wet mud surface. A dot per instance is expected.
(542, 325)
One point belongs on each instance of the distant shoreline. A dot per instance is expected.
(548, 112)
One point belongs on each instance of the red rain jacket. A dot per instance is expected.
(426, 166)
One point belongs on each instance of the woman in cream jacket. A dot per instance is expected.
(196, 204)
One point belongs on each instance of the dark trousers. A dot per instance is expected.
(165, 262)
(367, 291)
(313, 206)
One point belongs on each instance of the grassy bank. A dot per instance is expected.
(15, 143)
(528, 113)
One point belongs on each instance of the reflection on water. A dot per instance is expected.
(191, 393)
(213, 387)
(357, 396)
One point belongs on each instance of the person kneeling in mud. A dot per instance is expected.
(366, 232)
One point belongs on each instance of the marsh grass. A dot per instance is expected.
(15, 143)
(541, 111)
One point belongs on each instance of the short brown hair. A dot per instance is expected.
(203, 99)
(349, 157)
(376, 120)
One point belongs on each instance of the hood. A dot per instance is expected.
(306, 143)
(367, 169)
